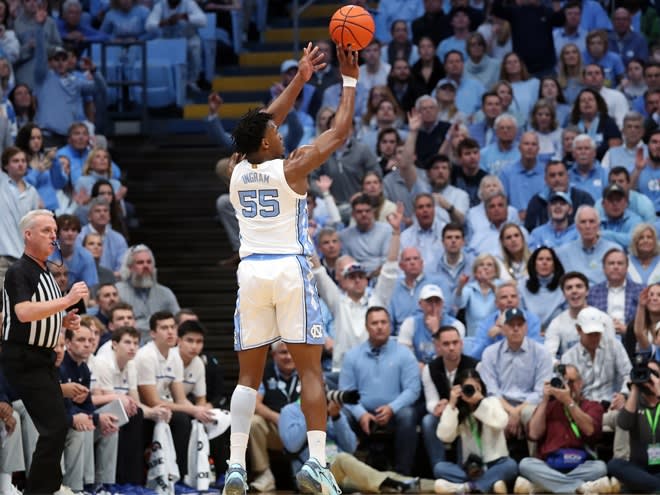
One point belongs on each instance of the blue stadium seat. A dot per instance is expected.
(166, 67)
(209, 37)
(113, 67)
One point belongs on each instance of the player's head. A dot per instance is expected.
(256, 131)
(191, 339)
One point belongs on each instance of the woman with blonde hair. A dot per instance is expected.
(477, 296)
(515, 253)
(98, 166)
(645, 335)
(569, 73)
(644, 257)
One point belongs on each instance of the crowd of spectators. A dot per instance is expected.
(488, 257)
(520, 142)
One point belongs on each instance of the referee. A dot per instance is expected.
(34, 317)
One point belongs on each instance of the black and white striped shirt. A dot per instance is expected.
(27, 281)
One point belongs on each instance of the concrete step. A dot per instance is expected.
(280, 35)
(225, 84)
(265, 59)
(228, 110)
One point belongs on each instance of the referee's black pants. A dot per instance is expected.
(32, 374)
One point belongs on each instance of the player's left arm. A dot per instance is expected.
(310, 62)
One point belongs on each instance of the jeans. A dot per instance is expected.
(435, 448)
(504, 469)
(539, 473)
(634, 477)
(405, 438)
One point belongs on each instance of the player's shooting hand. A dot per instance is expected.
(310, 62)
(348, 61)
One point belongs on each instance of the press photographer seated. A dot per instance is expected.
(480, 422)
(565, 425)
(639, 416)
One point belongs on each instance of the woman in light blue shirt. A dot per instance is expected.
(477, 296)
(644, 257)
(551, 91)
(540, 292)
(98, 166)
(525, 87)
(543, 122)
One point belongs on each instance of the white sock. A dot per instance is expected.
(243, 401)
(5, 482)
(316, 442)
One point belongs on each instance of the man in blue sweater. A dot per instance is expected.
(387, 376)
(60, 92)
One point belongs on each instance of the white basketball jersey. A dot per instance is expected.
(271, 216)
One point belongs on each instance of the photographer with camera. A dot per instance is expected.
(479, 421)
(350, 473)
(604, 366)
(437, 380)
(639, 416)
(565, 425)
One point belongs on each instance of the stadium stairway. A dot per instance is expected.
(247, 85)
(172, 183)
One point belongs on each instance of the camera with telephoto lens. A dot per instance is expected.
(557, 381)
(342, 397)
(640, 372)
(468, 390)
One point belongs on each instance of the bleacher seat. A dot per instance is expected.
(260, 17)
(113, 67)
(166, 69)
(209, 37)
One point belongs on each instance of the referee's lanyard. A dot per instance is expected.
(653, 449)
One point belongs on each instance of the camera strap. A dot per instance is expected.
(653, 423)
(474, 428)
(572, 423)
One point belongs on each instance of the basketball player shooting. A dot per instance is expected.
(277, 297)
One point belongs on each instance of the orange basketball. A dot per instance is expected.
(352, 25)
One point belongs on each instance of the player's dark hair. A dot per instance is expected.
(452, 227)
(375, 309)
(618, 171)
(569, 275)
(250, 130)
(158, 316)
(191, 326)
(121, 331)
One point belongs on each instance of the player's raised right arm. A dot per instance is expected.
(303, 160)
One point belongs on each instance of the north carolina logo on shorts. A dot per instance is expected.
(316, 331)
